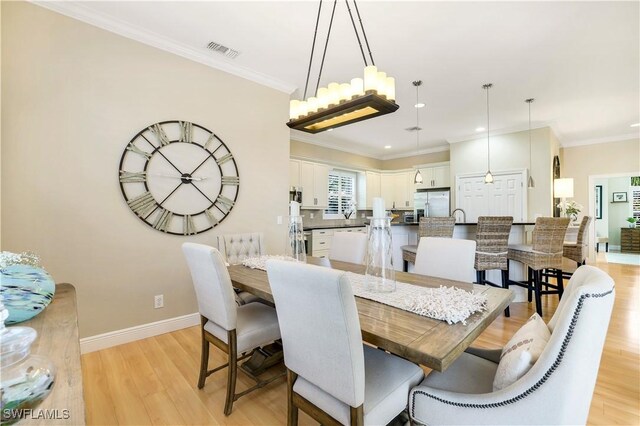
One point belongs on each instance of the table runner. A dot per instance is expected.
(450, 304)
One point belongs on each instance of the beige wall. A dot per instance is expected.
(613, 158)
(318, 153)
(409, 162)
(334, 156)
(511, 152)
(73, 96)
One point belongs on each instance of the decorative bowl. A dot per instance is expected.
(26, 291)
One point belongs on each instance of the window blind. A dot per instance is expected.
(341, 191)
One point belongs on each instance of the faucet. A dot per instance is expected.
(464, 215)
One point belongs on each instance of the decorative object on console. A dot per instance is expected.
(341, 104)
(632, 222)
(570, 209)
(379, 275)
(25, 379)
(25, 287)
(417, 179)
(296, 248)
(531, 183)
(563, 189)
(488, 178)
(169, 197)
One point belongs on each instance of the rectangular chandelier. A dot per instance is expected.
(341, 104)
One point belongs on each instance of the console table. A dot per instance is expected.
(630, 240)
(57, 328)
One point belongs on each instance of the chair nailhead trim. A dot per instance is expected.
(538, 384)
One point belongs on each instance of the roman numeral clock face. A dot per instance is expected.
(179, 177)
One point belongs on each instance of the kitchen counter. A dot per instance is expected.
(459, 224)
(312, 227)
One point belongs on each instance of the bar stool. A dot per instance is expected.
(578, 251)
(440, 227)
(492, 240)
(545, 253)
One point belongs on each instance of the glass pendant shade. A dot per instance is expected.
(418, 177)
(488, 178)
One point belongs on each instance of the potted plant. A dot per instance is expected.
(570, 209)
(632, 222)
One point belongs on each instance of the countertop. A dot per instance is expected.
(312, 227)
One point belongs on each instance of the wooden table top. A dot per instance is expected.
(57, 328)
(420, 339)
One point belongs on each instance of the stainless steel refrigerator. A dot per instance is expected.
(431, 203)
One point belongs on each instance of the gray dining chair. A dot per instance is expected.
(237, 247)
(446, 258)
(236, 330)
(348, 247)
(556, 390)
(331, 375)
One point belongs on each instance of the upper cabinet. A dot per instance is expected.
(435, 177)
(397, 189)
(314, 180)
(371, 189)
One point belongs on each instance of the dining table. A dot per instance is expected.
(419, 339)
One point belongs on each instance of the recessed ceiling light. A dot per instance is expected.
(387, 147)
(420, 105)
(635, 125)
(480, 129)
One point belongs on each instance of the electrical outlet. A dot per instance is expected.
(310, 215)
(362, 216)
(279, 220)
(158, 301)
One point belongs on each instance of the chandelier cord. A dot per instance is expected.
(417, 120)
(313, 46)
(488, 141)
(364, 34)
(529, 102)
(355, 30)
(324, 53)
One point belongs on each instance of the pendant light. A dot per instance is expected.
(337, 105)
(417, 179)
(531, 183)
(488, 178)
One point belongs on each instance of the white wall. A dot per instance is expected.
(73, 96)
(618, 212)
(510, 152)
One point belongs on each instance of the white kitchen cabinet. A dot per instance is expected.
(387, 191)
(372, 189)
(397, 190)
(314, 180)
(435, 177)
(294, 173)
(401, 188)
(411, 187)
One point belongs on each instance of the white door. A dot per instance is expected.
(502, 198)
(505, 196)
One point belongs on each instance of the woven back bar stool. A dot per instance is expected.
(440, 227)
(546, 252)
(492, 241)
(578, 251)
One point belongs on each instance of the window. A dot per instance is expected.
(342, 194)
(635, 196)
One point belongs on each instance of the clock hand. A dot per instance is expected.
(164, 175)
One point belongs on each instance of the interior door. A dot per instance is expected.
(505, 196)
(472, 197)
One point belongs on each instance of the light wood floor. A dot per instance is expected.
(153, 381)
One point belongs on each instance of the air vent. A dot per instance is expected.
(413, 129)
(224, 50)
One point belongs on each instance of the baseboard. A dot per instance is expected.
(126, 335)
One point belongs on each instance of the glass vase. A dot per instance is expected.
(296, 247)
(380, 277)
(25, 379)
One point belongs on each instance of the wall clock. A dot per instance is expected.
(179, 177)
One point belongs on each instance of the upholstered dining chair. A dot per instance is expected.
(233, 329)
(331, 375)
(237, 247)
(446, 258)
(545, 253)
(439, 227)
(492, 241)
(348, 247)
(557, 389)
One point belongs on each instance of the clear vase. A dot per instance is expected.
(25, 379)
(296, 247)
(380, 277)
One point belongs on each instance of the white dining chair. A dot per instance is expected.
(331, 375)
(233, 329)
(557, 389)
(448, 258)
(348, 247)
(237, 247)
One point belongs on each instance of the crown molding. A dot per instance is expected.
(424, 151)
(607, 139)
(504, 131)
(124, 29)
(299, 136)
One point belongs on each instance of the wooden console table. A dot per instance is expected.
(630, 240)
(57, 328)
